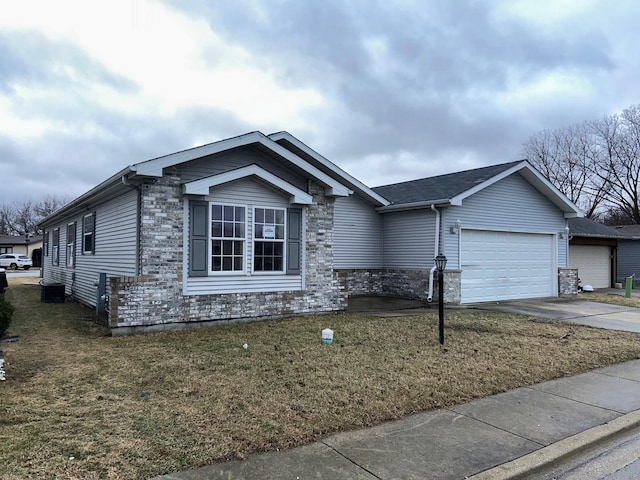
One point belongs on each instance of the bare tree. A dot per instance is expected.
(619, 163)
(565, 157)
(23, 218)
(595, 164)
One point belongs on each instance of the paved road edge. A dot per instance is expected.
(555, 453)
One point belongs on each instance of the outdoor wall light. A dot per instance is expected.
(441, 263)
(455, 228)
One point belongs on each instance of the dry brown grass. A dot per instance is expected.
(609, 298)
(144, 405)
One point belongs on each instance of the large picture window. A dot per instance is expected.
(268, 239)
(228, 237)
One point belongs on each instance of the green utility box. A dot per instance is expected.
(628, 287)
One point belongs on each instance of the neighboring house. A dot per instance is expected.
(260, 226)
(20, 244)
(593, 251)
(629, 252)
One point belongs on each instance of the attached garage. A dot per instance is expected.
(507, 265)
(593, 251)
(593, 263)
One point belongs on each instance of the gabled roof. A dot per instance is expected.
(202, 186)
(453, 188)
(304, 151)
(335, 181)
(441, 187)
(155, 166)
(585, 227)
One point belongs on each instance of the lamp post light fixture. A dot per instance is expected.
(441, 263)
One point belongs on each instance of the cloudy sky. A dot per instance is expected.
(387, 90)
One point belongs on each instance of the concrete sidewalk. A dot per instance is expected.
(583, 312)
(516, 432)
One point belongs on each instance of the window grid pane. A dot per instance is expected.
(227, 238)
(268, 245)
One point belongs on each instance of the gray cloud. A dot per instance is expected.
(28, 57)
(412, 88)
(440, 64)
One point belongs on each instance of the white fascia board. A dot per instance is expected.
(154, 167)
(85, 199)
(536, 179)
(202, 186)
(330, 165)
(443, 202)
(457, 200)
(334, 188)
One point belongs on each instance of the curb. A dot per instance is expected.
(555, 453)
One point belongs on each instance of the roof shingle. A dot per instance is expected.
(440, 187)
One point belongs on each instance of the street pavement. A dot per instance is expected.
(32, 272)
(509, 435)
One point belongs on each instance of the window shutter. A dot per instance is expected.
(294, 241)
(75, 244)
(93, 245)
(198, 238)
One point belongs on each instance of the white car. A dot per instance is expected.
(15, 261)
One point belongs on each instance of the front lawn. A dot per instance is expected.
(612, 299)
(78, 403)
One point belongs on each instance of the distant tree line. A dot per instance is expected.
(596, 164)
(22, 218)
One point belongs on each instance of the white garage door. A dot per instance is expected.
(593, 263)
(504, 266)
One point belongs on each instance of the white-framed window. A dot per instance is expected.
(228, 238)
(224, 238)
(269, 239)
(88, 234)
(71, 244)
(55, 246)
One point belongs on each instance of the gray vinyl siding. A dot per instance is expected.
(510, 205)
(115, 248)
(223, 162)
(409, 239)
(357, 234)
(248, 193)
(628, 259)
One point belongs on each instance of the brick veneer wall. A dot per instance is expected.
(154, 300)
(402, 283)
(567, 282)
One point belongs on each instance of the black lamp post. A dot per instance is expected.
(441, 263)
(26, 243)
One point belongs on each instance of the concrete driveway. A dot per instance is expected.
(600, 315)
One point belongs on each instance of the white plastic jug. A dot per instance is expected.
(327, 336)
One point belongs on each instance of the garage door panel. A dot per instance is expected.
(505, 265)
(593, 263)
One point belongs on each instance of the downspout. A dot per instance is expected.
(436, 251)
(138, 218)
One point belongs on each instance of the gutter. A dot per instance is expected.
(414, 205)
(125, 182)
(110, 182)
(436, 249)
